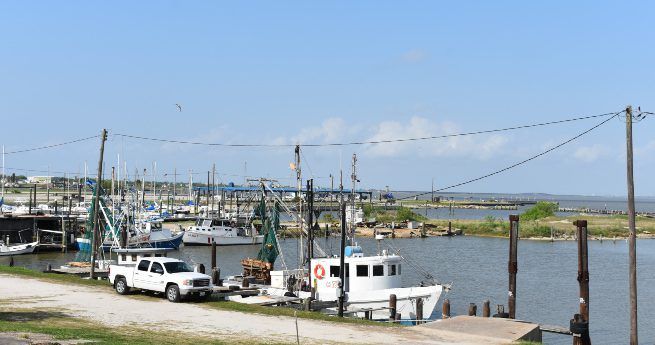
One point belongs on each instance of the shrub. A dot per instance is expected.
(540, 210)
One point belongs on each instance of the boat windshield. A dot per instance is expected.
(176, 267)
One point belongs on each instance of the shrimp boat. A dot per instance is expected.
(367, 285)
(16, 249)
(205, 231)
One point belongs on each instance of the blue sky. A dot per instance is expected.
(289, 72)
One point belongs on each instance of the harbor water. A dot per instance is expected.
(477, 269)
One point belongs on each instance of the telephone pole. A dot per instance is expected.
(632, 243)
(96, 204)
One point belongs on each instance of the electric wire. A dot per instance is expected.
(51, 146)
(519, 163)
(368, 141)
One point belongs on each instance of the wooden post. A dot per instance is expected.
(512, 267)
(445, 309)
(96, 205)
(583, 267)
(486, 308)
(632, 245)
(473, 309)
(201, 268)
(213, 254)
(392, 308)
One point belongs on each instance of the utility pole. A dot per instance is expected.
(96, 204)
(632, 243)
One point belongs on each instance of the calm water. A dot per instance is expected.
(477, 268)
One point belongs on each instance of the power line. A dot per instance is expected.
(369, 141)
(51, 146)
(519, 163)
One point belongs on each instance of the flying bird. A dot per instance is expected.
(179, 107)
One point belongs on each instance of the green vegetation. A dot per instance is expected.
(64, 327)
(540, 210)
(58, 278)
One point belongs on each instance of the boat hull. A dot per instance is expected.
(171, 243)
(19, 249)
(195, 239)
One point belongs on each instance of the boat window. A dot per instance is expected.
(143, 265)
(362, 270)
(157, 268)
(207, 222)
(123, 257)
(347, 271)
(157, 255)
(334, 271)
(198, 222)
(392, 270)
(378, 270)
(133, 257)
(399, 272)
(146, 255)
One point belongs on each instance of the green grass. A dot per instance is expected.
(58, 278)
(64, 327)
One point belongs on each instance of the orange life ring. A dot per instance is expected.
(319, 271)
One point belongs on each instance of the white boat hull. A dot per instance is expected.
(18, 249)
(191, 239)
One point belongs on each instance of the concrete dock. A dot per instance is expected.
(504, 330)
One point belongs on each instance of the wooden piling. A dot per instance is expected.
(392, 308)
(201, 268)
(583, 267)
(445, 309)
(213, 254)
(473, 309)
(245, 282)
(486, 308)
(419, 311)
(216, 276)
(512, 267)
(11, 261)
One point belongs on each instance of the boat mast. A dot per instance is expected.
(352, 197)
(300, 222)
(4, 178)
(342, 252)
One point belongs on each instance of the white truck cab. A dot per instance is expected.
(161, 274)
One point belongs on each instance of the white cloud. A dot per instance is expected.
(590, 153)
(419, 127)
(332, 130)
(414, 55)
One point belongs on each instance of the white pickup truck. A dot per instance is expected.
(162, 274)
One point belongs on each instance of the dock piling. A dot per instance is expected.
(445, 309)
(201, 268)
(419, 311)
(473, 309)
(486, 308)
(512, 267)
(11, 261)
(392, 308)
(213, 254)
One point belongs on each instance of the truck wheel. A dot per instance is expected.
(173, 293)
(121, 286)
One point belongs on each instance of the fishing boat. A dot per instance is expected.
(206, 230)
(16, 249)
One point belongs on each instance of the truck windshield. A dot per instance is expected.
(175, 267)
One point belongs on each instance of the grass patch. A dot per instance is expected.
(58, 278)
(63, 327)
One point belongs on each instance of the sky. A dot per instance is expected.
(292, 72)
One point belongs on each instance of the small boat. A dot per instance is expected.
(205, 230)
(16, 249)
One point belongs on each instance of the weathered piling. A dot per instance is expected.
(486, 308)
(579, 325)
(245, 282)
(11, 261)
(445, 309)
(201, 268)
(419, 311)
(473, 309)
(512, 267)
(500, 312)
(213, 254)
(216, 276)
(392, 308)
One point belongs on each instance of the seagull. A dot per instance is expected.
(179, 107)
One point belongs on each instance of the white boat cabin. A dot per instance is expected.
(217, 227)
(363, 273)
